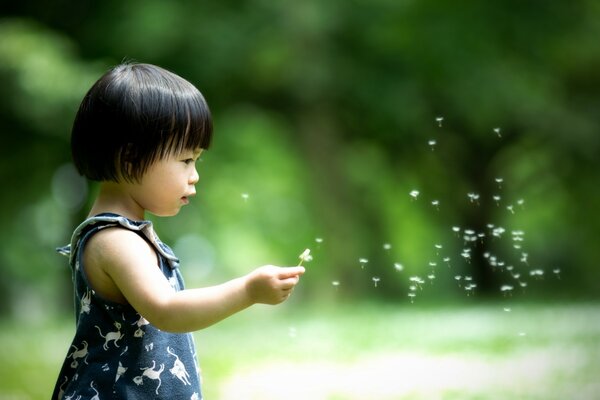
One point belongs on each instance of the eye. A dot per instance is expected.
(189, 161)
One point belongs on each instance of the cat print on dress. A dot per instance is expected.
(179, 369)
(79, 353)
(114, 336)
(140, 322)
(150, 373)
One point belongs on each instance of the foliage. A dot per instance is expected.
(323, 114)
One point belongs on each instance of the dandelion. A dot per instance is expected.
(439, 120)
(414, 194)
(305, 256)
(376, 280)
(398, 267)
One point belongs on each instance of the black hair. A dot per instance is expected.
(134, 115)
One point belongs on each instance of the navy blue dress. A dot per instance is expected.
(116, 353)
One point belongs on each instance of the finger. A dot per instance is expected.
(289, 282)
(288, 272)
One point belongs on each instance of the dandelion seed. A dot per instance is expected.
(439, 120)
(245, 196)
(362, 262)
(556, 272)
(412, 297)
(507, 289)
(292, 332)
(498, 231)
(524, 257)
(497, 132)
(499, 182)
(399, 267)
(473, 197)
(431, 277)
(375, 279)
(436, 204)
(510, 208)
(432, 143)
(497, 199)
(539, 273)
(319, 240)
(414, 194)
(432, 263)
(470, 288)
(520, 202)
(507, 309)
(387, 246)
(335, 283)
(305, 256)
(456, 229)
(447, 261)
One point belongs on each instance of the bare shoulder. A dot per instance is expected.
(111, 256)
(114, 244)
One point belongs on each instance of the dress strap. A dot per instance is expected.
(107, 220)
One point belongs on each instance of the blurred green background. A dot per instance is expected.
(328, 114)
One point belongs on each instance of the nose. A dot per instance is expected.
(194, 177)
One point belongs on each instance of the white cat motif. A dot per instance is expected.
(150, 373)
(79, 353)
(179, 369)
(114, 336)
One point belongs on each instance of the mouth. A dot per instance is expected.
(186, 199)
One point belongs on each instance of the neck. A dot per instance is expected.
(115, 198)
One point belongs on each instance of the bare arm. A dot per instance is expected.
(121, 265)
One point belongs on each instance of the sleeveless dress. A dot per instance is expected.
(116, 353)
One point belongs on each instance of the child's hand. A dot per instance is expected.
(272, 285)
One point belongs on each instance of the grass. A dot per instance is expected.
(361, 351)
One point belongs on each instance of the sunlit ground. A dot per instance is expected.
(362, 352)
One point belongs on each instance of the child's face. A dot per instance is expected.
(168, 184)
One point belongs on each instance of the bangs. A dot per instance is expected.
(175, 118)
